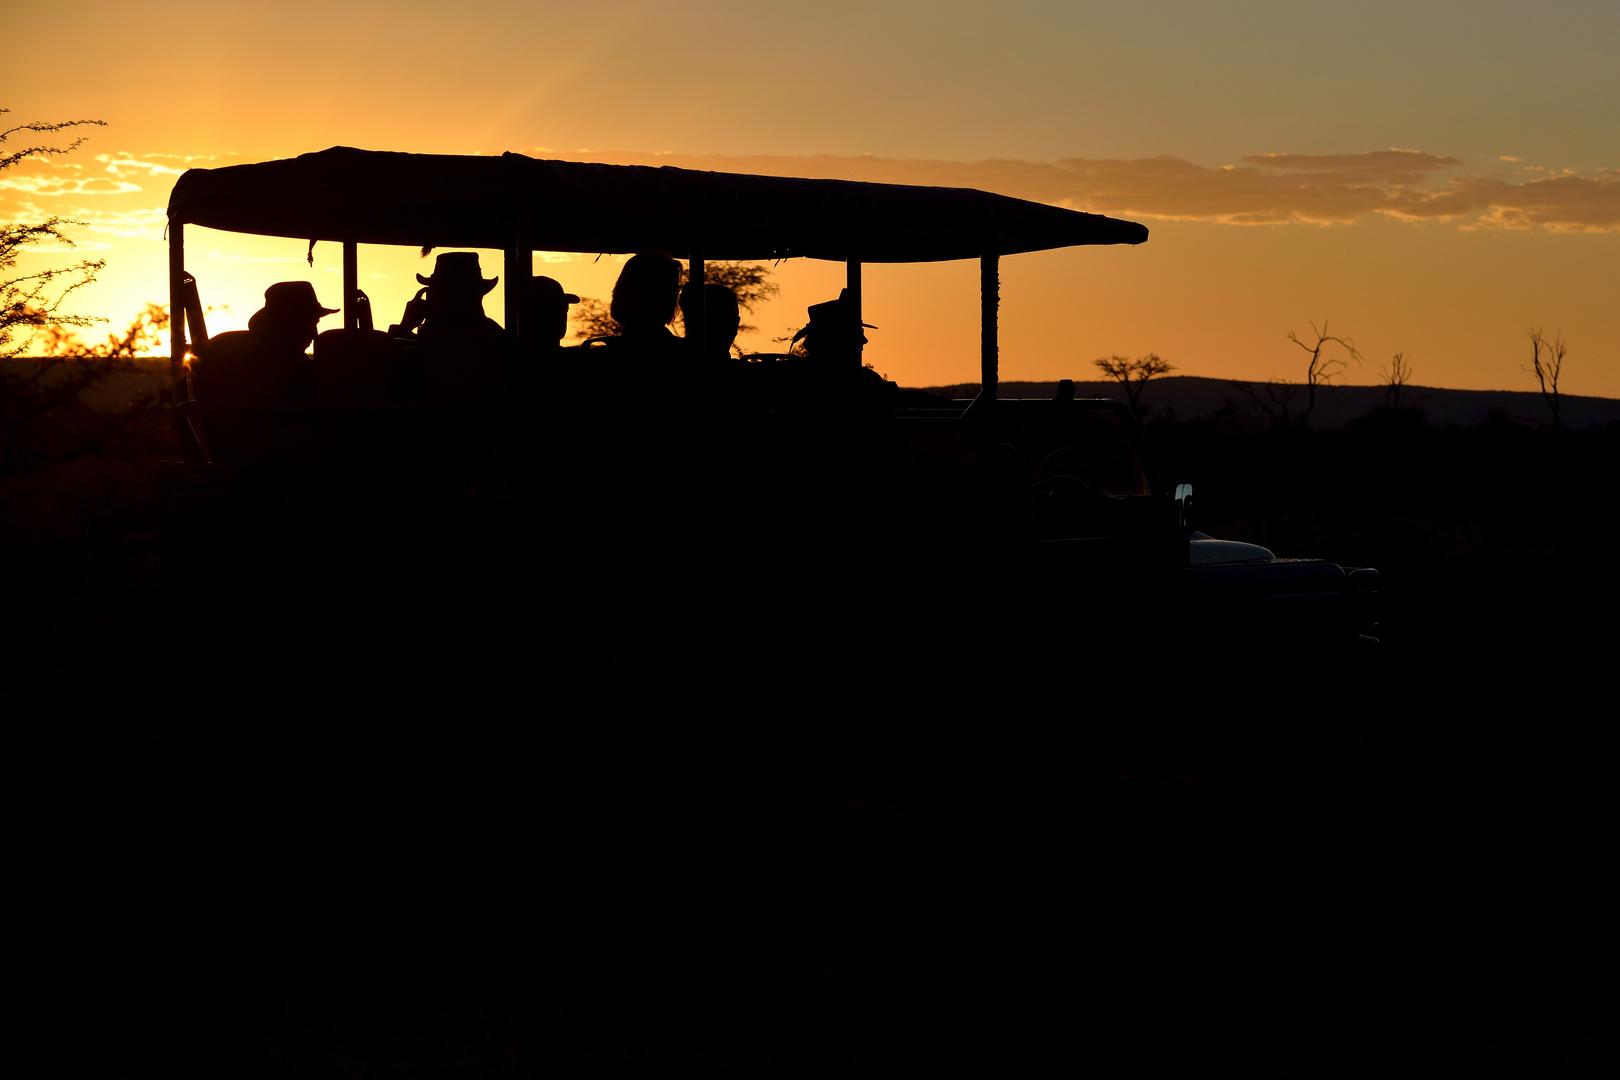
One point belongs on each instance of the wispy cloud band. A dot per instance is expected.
(1264, 189)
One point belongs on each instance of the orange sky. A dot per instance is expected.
(1253, 141)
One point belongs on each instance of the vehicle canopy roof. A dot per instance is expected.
(438, 200)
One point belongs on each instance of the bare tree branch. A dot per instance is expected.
(1397, 377)
(1324, 366)
(1547, 371)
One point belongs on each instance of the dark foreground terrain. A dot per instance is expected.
(447, 843)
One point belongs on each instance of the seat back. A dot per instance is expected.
(351, 366)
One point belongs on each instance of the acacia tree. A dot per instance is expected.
(32, 302)
(1547, 370)
(1133, 375)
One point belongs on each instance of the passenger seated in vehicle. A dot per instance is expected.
(832, 347)
(463, 350)
(550, 305)
(644, 305)
(834, 332)
(450, 306)
(266, 363)
(722, 317)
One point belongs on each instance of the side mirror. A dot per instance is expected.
(1184, 505)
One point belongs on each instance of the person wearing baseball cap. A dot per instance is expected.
(551, 305)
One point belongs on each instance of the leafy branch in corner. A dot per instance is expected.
(32, 302)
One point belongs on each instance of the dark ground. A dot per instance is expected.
(327, 849)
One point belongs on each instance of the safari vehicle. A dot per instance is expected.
(760, 509)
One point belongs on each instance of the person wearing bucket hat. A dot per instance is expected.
(266, 362)
(450, 304)
(834, 330)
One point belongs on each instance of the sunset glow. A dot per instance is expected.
(1433, 193)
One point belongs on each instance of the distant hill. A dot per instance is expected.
(1182, 397)
(1188, 397)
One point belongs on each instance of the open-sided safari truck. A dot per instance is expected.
(755, 506)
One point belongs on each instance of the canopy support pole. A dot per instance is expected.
(518, 270)
(989, 346)
(852, 291)
(177, 300)
(698, 306)
(351, 285)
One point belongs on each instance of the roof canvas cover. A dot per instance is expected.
(376, 197)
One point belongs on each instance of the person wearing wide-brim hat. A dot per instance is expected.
(289, 309)
(458, 271)
(834, 330)
(264, 363)
(451, 302)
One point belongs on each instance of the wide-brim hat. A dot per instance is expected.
(834, 315)
(459, 270)
(289, 300)
(544, 285)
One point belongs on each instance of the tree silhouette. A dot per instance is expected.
(32, 302)
(1397, 377)
(1547, 371)
(1324, 366)
(1133, 375)
(1274, 399)
(56, 389)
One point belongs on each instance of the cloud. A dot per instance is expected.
(42, 175)
(255, 255)
(67, 185)
(1263, 189)
(78, 248)
(145, 224)
(1564, 203)
(124, 163)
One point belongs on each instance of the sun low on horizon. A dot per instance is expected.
(1432, 182)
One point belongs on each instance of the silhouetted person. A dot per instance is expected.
(265, 363)
(833, 339)
(834, 331)
(450, 307)
(722, 318)
(550, 304)
(644, 305)
(463, 350)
